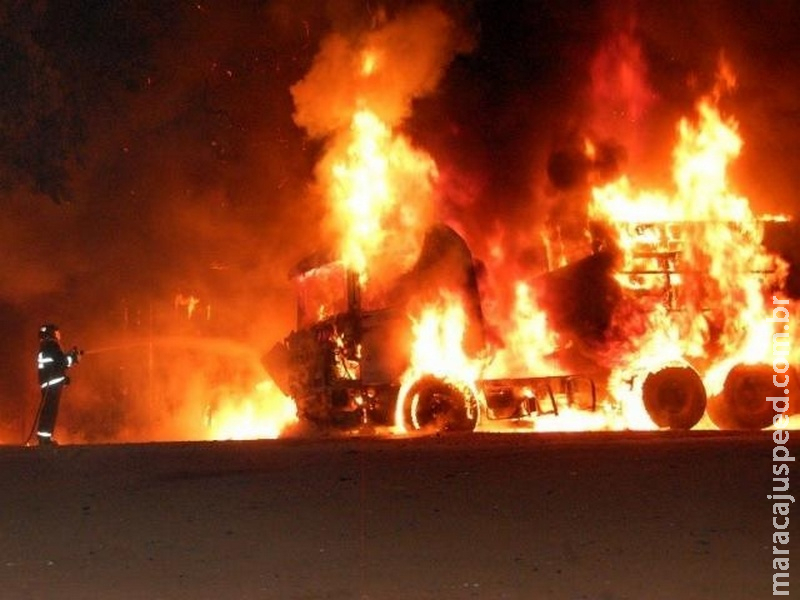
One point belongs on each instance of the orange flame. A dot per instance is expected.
(369, 63)
(697, 252)
(529, 340)
(379, 190)
(438, 349)
(262, 414)
(358, 91)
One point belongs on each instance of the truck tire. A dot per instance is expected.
(433, 404)
(743, 401)
(674, 397)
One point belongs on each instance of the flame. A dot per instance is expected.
(529, 339)
(700, 164)
(262, 414)
(571, 419)
(694, 258)
(438, 349)
(379, 189)
(357, 94)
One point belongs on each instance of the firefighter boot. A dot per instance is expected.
(46, 440)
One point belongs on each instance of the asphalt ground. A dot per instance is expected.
(602, 516)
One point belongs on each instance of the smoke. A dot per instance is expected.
(356, 97)
(406, 57)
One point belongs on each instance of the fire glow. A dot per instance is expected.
(699, 256)
(371, 183)
(692, 270)
(263, 414)
(693, 273)
(438, 350)
(529, 340)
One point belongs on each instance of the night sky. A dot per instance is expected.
(150, 148)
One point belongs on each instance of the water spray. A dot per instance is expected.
(114, 348)
(211, 346)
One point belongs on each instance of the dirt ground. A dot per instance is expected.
(603, 516)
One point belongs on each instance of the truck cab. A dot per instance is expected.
(343, 364)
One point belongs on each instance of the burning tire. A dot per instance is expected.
(742, 403)
(674, 397)
(433, 404)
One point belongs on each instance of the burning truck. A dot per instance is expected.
(661, 323)
(691, 362)
(700, 273)
(349, 362)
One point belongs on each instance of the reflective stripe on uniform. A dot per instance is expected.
(43, 360)
(53, 381)
(44, 434)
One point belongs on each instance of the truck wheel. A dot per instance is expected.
(674, 397)
(742, 403)
(433, 404)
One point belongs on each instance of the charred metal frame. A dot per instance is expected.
(667, 244)
(527, 393)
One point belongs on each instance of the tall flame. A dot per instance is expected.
(356, 96)
(697, 252)
(379, 187)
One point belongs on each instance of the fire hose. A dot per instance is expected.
(35, 422)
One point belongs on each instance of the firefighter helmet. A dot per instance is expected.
(48, 331)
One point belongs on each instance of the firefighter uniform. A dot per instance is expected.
(52, 364)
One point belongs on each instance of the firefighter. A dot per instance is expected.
(53, 363)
